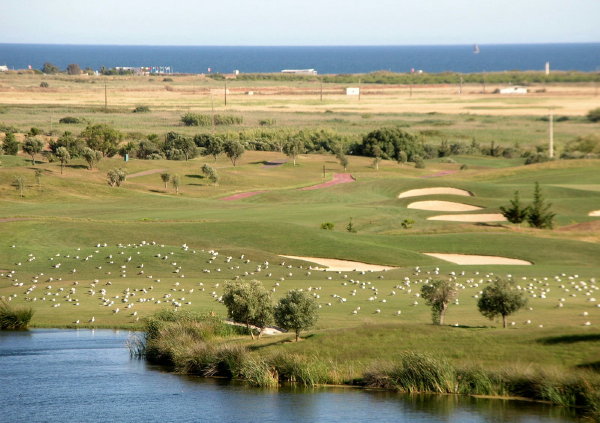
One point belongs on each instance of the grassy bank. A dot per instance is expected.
(424, 363)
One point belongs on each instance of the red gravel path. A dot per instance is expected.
(242, 195)
(338, 178)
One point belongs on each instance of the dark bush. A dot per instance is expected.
(69, 119)
(141, 109)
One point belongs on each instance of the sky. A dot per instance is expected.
(298, 22)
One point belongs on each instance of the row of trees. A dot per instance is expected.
(250, 304)
(500, 298)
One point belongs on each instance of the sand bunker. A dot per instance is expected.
(594, 213)
(477, 218)
(338, 178)
(334, 265)
(469, 259)
(242, 195)
(441, 206)
(434, 191)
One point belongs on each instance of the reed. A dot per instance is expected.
(14, 318)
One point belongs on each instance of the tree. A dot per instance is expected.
(176, 182)
(166, 177)
(10, 146)
(391, 142)
(438, 294)
(213, 147)
(63, 155)
(234, 150)
(378, 154)
(32, 146)
(338, 150)
(296, 311)
(73, 145)
(515, 213)
(248, 303)
(92, 157)
(19, 183)
(210, 174)
(73, 69)
(49, 68)
(38, 176)
(500, 299)
(292, 148)
(115, 177)
(179, 147)
(539, 215)
(102, 137)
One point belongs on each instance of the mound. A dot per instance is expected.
(582, 227)
(242, 195)
(477, 218)
(338, 178)
(594, 213)
(441, 206)
(434, 191)
(334, 265)
(468, 259)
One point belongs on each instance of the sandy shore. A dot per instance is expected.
(441, 206)
(468, 259)
(434, 191)
(334, 265)
(477, 218)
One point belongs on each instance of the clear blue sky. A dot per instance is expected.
(298, 22)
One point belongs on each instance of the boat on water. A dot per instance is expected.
(476, 49)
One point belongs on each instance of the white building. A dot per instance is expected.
(513, 90)
(3, 68)
(300, 71)
(352, 91)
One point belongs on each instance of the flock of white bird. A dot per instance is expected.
(113, 290)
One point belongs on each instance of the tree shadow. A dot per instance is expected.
(593, 366)
(76, 166)
(195, 176)
(159, 191)
(570, 339)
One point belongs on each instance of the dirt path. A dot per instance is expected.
(146, 172)
(241, 195)
(13, 219)
(338, 178)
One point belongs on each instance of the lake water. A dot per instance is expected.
(325, 59)
(87, 376)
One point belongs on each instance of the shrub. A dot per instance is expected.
(419, 163)
(228, 120)
(115, 177)
(267, 122)
(141, 109)
(193, 119)
(69, 120)
(594, 115)
(44, 84)
(13, 318)
(327, 226)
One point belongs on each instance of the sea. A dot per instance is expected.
(323, 59)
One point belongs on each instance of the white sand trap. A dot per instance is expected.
(441, 206)
(478, 218)
(334, 265)
(434, 191)
(594, 213)
(469, 259)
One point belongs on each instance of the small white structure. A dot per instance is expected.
(513, 90)
(3, 68)
(300, 71)
(353, 91)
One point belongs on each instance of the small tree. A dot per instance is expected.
(63, 155)
(594, 115)
(214, 147)
(92, 157)
(32, 146)
(350, 226)
(210, 173)
(342, 159)
(402, 157)
(515, 213)
(234, 150)
(166, 177)
(378, 154)
(539, 215)
(19, 184)
(115, 177)
(292, 148)
(49, 68)
(500, 299)
(73, 69)
(296, 311)
(38, 177)
(438, 295)
(176, 182)
(248, 303)
(10, 146)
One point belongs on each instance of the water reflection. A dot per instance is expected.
(82, 375)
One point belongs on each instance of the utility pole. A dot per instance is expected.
(551, 135)
(460, 86)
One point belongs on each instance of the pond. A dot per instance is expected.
(53, 375)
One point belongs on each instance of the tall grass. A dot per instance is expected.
(14, 318)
